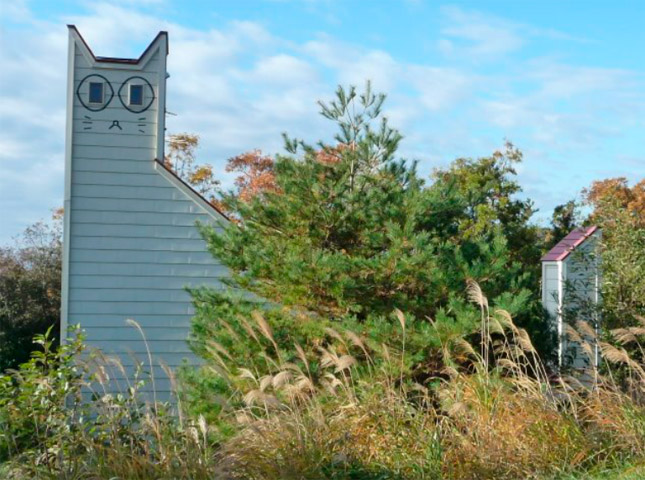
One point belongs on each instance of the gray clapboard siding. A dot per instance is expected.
(82, 122)
(123, 205)
(130, 309)
(116, 77)
(170, 359)
(112, 320)
(147, 269)
(115, 111)
(82, 152)
(139, 179)
(132, 244)
(146, 295)
(146, 322)
(152, 333)
(143, 217)
(157, 347)
(140, 281)
(113, 165)
(90, 125)
(551, 288)
(106, 139)
(118, 191)
(143, 256)
(141, 231)
(161, 388)
(97, 243)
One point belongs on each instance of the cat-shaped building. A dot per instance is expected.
(131, 244)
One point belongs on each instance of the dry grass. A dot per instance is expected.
(507, 420)
(491, 413)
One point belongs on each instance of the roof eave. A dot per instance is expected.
(569, 248)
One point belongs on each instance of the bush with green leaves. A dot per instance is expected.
(351, 232)
(61, 418)
(34, 398)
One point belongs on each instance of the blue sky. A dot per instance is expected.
(563, 80)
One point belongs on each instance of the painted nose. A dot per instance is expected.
(115, 123)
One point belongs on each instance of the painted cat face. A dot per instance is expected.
(96, 93)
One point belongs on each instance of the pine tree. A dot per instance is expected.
(353, 229)
(348, 233)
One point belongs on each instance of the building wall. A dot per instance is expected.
(582, 274)
(550, 287)
(131, 241)
(573, 284)
(581, 296)
(552, 295)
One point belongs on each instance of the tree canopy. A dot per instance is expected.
(30, 281)
(349, 228)
(347, 232)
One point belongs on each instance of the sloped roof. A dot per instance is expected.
(568, 244)
(189, 187)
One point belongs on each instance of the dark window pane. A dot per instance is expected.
(96, 92)
(136, 94)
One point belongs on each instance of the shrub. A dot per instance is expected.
(33, 399)
(58, 421)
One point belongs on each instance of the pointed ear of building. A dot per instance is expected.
(131, 244)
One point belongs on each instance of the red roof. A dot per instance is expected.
(568, 244)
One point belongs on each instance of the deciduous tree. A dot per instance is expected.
(181, 159)
(30, 281)
(620, 211)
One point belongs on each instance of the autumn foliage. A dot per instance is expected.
(605, 196)
(181, 159)
(255, 174)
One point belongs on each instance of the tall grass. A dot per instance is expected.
(492, 411)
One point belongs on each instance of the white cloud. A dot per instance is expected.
(440, 88)
(241, 85)
(477, 36)
(353, 64)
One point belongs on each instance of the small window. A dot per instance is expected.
(96, 92)
(136, 94)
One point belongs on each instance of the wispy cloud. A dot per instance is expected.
(476, 36)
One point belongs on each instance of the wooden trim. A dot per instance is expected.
(67, 200)
(161, 101)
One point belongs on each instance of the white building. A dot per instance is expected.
(131, 244)
(571, 282)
